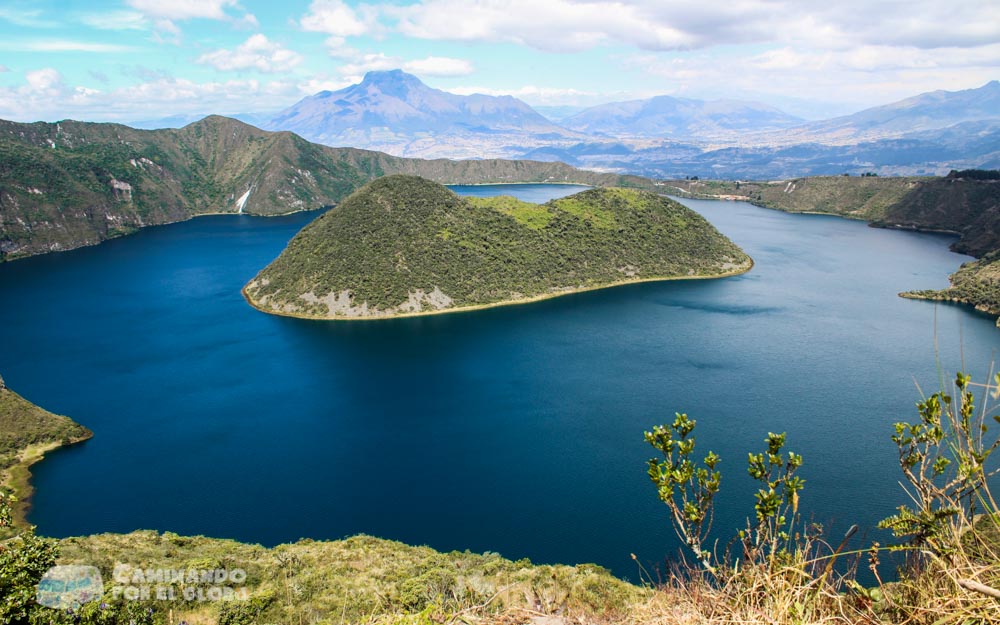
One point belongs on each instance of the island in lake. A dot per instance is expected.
(403, 245)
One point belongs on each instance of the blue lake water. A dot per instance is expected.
(516, 429)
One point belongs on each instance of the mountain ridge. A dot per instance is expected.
(68, 184)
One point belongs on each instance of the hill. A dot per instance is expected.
(71, 184)
(395, 112)
(679, 118)
(404, 245)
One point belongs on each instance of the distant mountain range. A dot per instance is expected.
(679, 118)
(928, 111)
(663, 136)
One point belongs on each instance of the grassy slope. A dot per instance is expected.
(61, 185)
(26, 433)
(362, 579)
(402, 235)
(970, 208)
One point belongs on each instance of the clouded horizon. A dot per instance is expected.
(128, 60)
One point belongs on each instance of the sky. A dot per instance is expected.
(132, 60)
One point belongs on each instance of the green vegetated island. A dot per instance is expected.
(966, 203)
(403, 245)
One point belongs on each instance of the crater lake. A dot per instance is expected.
(517, 430)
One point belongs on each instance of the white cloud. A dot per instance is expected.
(45, 82)
(45, 95)
(183, 9)
(842, 80)
(317, 84)
(554, 25)
(116, 20)
(61, 45)
(257, 53)
(247, 22)
(334, 17)
(369, 62)
(165, 14)
(358, 63)
(439, 66)
(547, 96)
(571, 25)
(30, 18)
(4, 69)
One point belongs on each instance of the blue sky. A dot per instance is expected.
(123, 60)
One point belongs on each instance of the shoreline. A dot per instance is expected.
(17, 477)
(517, 302)
(10, 259)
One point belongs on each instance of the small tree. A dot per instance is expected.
(687, 489)
(777, 498)
(943, 457)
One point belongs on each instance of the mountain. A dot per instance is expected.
(70, 184)
(181, 120)
(403, 245)
(679, 118)
(928, 111)
(395, 112)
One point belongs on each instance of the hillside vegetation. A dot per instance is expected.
(360, 579)
(405, 245)
(966, 203)
(71, 184)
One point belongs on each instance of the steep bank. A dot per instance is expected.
(403, 245)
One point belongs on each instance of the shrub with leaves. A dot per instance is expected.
(943, 457)
(777, 498)
(687, 489)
